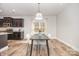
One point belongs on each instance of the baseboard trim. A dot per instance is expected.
(67, 44)
(4, 48)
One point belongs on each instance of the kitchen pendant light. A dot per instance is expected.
(39, 15)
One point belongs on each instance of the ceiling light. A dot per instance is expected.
(13, 10)
(0, 10)
(39, 15)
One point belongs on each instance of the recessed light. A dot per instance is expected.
(0, 10)
(13, 10)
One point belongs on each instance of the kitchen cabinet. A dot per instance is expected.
(10, 36)
(3, 40)
(7, 22)
(1, 22)
(14, 36)
(17, 22)
(11, 22)
(17, 35)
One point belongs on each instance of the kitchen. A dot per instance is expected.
(10, 29)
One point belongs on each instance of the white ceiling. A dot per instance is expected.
(30, 9)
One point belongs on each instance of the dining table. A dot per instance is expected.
(39, 38)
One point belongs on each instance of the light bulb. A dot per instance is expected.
(0, 10)
(39, 16)
(13, 10)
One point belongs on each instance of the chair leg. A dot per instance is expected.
(0, 54)
(27, 49)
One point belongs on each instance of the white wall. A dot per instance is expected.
(51, 25)
(27, 25)
(68, 25)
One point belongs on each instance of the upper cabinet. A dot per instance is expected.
(13, 22)
(7, 22)
(18, 22)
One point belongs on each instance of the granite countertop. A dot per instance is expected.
(4, 31)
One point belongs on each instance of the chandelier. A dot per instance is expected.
(39, 15)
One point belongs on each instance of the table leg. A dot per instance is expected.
(31, 48)
(39, 49)
(47, 47)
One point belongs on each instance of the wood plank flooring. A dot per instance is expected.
(22, 48)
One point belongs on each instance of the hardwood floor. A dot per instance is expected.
(22, 48)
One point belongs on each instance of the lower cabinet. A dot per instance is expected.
(17, 35)
(3, 41)
(10, 36)
(14, 36)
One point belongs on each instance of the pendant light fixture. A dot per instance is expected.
(39, 15)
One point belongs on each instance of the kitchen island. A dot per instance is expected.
(3, 41)
(3, 38)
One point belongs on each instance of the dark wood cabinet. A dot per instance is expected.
(1, 22)
(14, 36)
(7, 22)
(11, 22)
(17, 22)
(3, 41)
(17, 35)
(10, 36)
